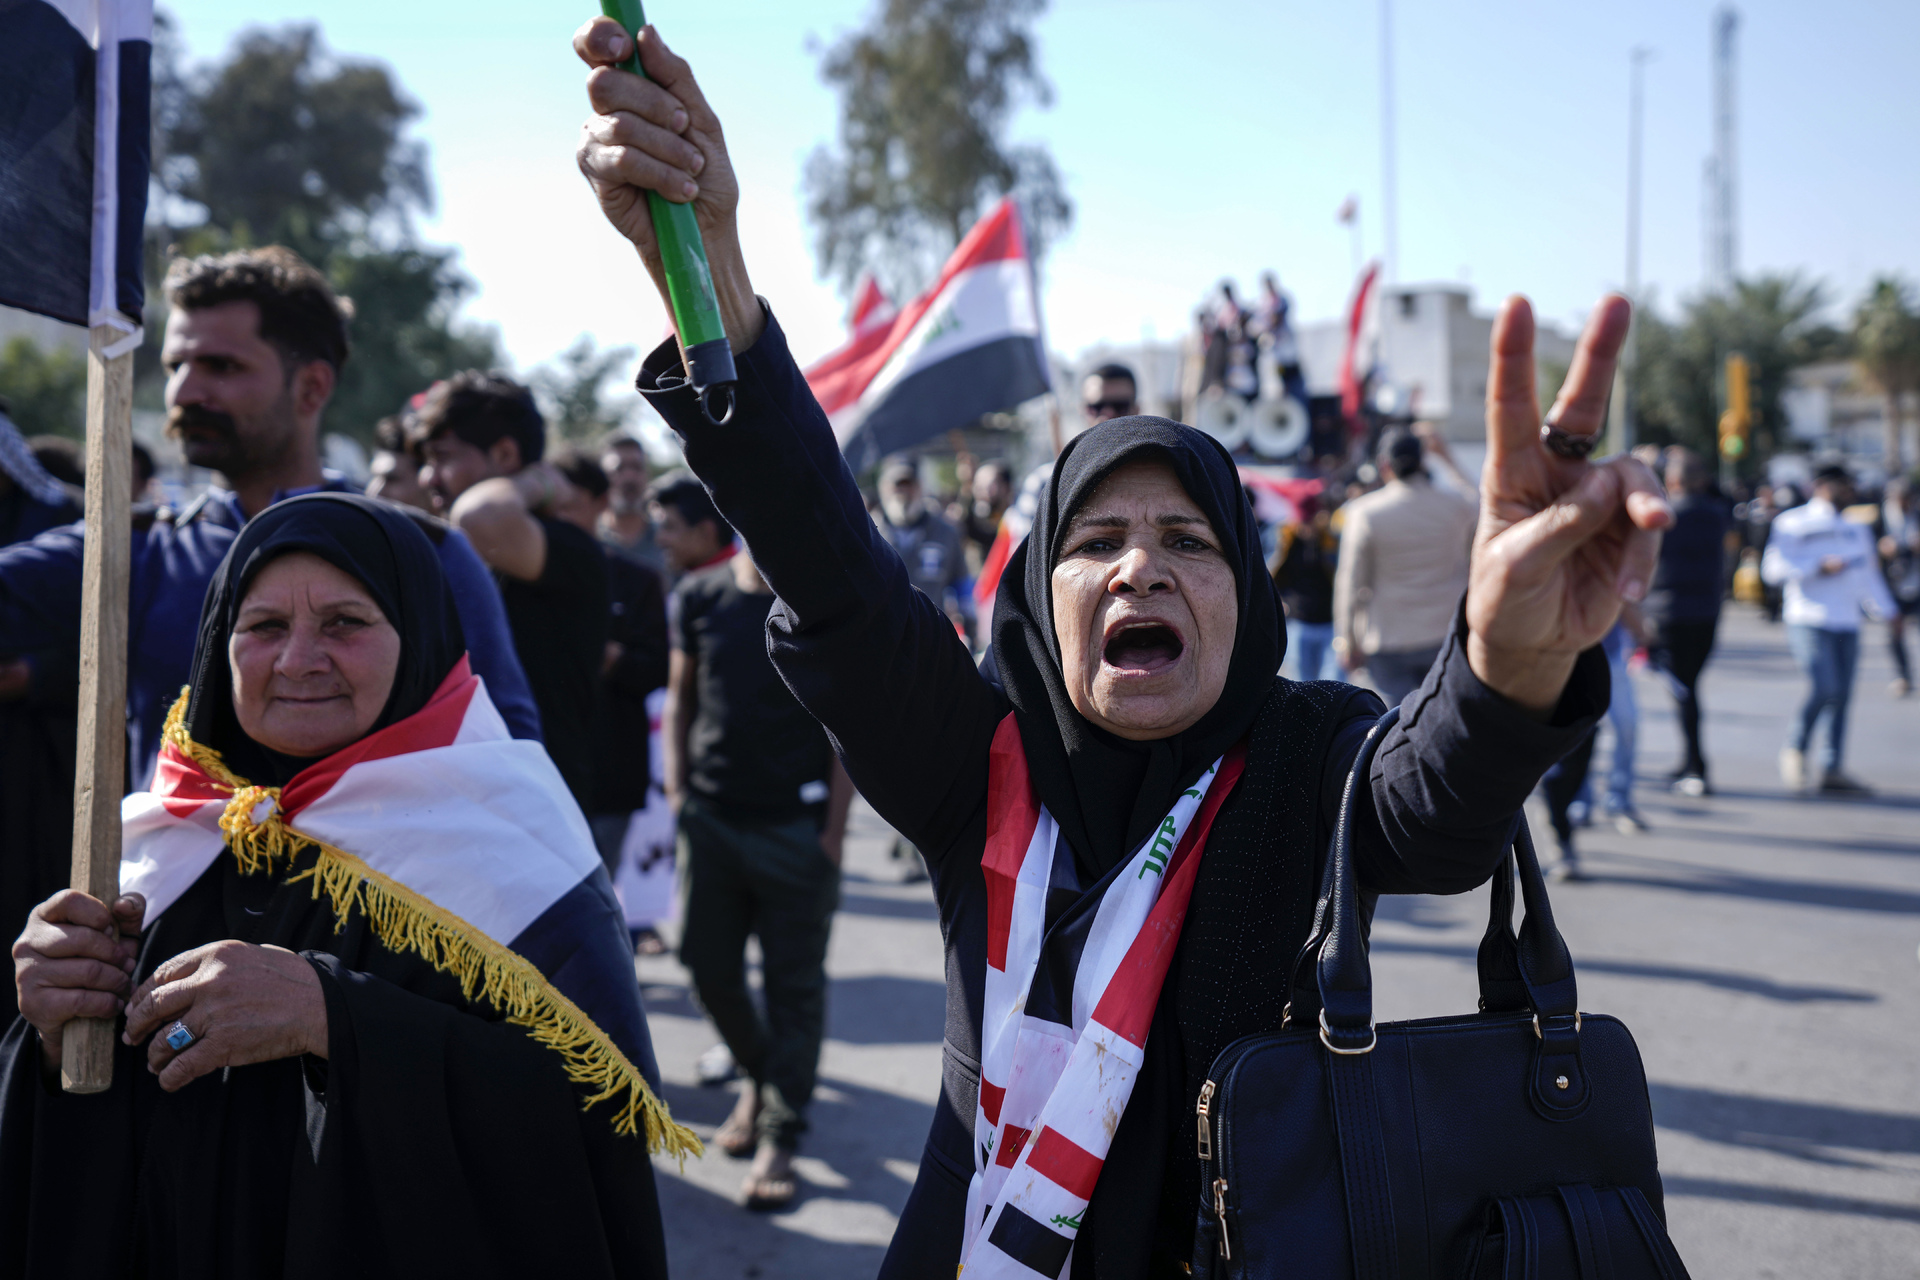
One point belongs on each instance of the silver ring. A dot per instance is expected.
(178, 1037)
(1564, 444)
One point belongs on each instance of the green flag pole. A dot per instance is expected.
(696, 311)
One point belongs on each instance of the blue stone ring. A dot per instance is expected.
(178, 1037)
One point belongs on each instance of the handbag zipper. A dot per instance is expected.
(1220, 1212)
(1205, 1139)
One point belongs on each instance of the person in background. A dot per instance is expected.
(1830, 569)
(1111, 391)
(255, 341)
(762, 805)
(1900, 553)
(60, 458)
(1623, 713)
(39, 722)
(32, 498)
(1560, 787)
(1682, 608)
(1303, 567)
(690, 532)
(928, 545)
(626, 524)
(635, 665)
(143, 473)
(481, 440)
(394, 469)
(986, 492)
(1403, 569)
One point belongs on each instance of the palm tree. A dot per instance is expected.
(1886, 335)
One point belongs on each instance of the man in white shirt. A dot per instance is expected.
(1830, 570)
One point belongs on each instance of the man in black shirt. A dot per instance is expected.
(1683, 601)
(763, 810)
(481, 438)
(634, 666)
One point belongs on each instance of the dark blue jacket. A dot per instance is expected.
(173, 560)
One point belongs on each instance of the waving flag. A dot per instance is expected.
(969, 345)
(74, 91)
(838, 378)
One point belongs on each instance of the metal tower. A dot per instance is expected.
(1721, 196)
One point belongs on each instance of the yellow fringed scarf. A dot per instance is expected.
(406, 922)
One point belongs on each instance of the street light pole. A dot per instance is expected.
(1621, 426)
(1389, 195)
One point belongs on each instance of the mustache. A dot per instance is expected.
(199, 417)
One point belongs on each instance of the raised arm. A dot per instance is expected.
(876, 662)
(1562, 546)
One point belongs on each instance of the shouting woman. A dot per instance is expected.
(1123, 822)
(381, 1016)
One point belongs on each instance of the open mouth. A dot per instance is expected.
(1143, 648)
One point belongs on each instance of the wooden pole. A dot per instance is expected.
(86, 1054)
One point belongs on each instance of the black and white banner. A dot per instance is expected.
(74, 148)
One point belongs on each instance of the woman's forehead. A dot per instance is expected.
(1146, 489)
(302, 573)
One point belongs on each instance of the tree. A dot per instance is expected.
(1773, 320)
(926, 92)
(46, 389)
(573, 390)
(1886, 339)
(284, 143)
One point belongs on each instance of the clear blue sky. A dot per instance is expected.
(1198, 140)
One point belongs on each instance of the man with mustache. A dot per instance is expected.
(255, 342)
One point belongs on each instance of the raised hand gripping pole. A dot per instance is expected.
(683, 256)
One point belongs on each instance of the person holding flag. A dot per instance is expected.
(1124, 832)
(380, 1009)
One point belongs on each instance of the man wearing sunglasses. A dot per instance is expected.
(1109, 392)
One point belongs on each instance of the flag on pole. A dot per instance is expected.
(968, 346)
(1351, 376)
(74, 147)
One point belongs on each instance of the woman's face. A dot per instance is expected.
(1144, 606)
(313, 658)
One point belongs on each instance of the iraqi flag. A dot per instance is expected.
(74, 142)
(970, 345)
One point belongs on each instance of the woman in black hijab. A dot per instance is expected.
(370, 1119)
(1136, 643)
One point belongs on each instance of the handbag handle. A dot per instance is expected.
(1530, 970)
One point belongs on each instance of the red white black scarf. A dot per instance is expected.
(1067, 1010)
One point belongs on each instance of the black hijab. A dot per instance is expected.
(1108, 793)
(381, 547)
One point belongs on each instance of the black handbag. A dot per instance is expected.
(1515, 1143)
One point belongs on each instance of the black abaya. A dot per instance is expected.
(435, 1139)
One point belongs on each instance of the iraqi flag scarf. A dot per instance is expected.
(1064, 1023)
(1116, 826)
(460, 844)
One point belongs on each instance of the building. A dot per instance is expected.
(1833, 407)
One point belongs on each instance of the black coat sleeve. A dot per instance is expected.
(1453, 773)
(874, 660)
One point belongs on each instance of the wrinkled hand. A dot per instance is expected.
(658, 134)
(243, 1003)
(68, 964)
(1560, 544)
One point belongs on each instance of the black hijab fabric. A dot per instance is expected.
(1108, 793)
(381, 547)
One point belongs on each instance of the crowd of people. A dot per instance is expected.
(613, 682)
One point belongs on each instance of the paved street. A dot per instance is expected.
(1762, 948)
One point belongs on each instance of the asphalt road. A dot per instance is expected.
(1761, 947)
